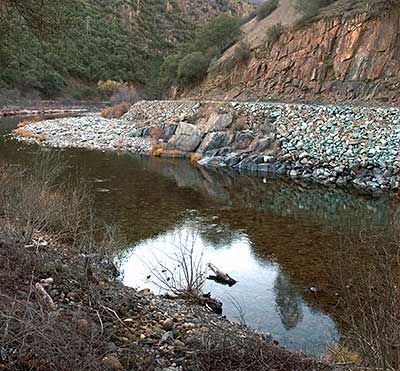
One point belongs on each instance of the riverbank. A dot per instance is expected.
(116, 327)
(45, 108)
(63, 306)
(331, 145)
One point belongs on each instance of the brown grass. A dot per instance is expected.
(174, 153)
(156, 149)
(195, 157)
(115, 112)
(28, 134)
(24, 123)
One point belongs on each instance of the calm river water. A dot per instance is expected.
(286, 244)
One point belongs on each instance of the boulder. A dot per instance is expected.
(243, 140)
(218, 122)
(214, 140)
(186, 138)
(168, 131)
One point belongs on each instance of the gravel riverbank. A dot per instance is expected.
(331, 145)
(62, 310)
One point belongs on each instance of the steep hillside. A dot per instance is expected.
(349, 51)
(105, 39)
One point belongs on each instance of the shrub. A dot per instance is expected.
(111, 85)
(266, 9)
(159, 150)
(220, 33)
(195, 157)
(28, 134)
(115, 112)
(191, 61)
(310, 8)
(169, 69)
(193, 67)
(242, 53)
(274, 33)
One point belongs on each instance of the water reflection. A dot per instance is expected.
(276, 238)
(288, 301)
(263, 297)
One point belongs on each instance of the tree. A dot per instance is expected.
(193, 67)
(44, 18)
(221, 32)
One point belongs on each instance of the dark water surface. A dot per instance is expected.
(280, 240)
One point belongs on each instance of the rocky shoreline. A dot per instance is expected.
(108, 326)
(341, 146)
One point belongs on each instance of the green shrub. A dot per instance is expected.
(310, 8)
(191, 61)
(242, 53)
(193, 67)
(266, 9)
(274, 33)
(220, 33)
(169, 69)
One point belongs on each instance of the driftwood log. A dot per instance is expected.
(220, 277)
(44, 298)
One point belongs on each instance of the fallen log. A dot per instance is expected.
(220, 277)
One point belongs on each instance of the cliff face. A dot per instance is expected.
(328, 60)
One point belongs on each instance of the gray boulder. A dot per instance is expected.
(218, 122)
(186, 138)
(214, 140)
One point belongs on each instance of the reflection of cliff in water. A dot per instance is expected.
(313, 233)
(288, 301)
(278, 196)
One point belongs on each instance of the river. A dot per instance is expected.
(286, 244)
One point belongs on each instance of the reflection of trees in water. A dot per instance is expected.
(288, 301)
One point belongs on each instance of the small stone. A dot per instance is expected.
(168, 324)
(111, 362)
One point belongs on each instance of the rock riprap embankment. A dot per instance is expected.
(331, 145)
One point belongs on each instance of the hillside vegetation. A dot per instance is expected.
(51, 45)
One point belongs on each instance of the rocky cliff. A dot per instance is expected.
(330, 59)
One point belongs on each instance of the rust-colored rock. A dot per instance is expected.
(328, 60)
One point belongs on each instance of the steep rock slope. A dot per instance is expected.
(331, 59)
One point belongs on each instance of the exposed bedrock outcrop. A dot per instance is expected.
(328, 60)
(330, 145)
